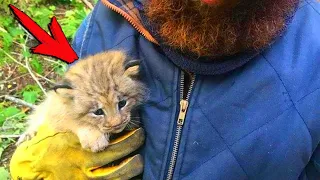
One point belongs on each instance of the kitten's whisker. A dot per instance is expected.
(137, 121)
(134, 124)
(129, 126)
(135, 118)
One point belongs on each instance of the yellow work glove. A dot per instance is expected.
(59, 156)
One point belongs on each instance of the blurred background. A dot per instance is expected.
(25, 77)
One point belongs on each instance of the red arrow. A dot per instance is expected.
(55, 46)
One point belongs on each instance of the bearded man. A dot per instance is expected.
(245, 74)
(234, 84)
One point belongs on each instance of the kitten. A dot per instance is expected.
(94, 99)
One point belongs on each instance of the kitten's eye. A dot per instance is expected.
(99, 112)
(122, 104)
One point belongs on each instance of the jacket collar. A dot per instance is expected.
(132, 10)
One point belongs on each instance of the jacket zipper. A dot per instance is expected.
(184, 103)
(131, 20)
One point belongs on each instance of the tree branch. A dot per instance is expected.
(9, 136)
(29, 69)
(87, 3)
(19, 101)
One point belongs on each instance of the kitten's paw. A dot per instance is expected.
(26, 137)
(95, 145)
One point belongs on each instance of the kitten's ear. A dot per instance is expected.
(64, 88)
(131, 68)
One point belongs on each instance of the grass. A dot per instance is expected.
(15, 79)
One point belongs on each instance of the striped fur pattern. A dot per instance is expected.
(94, 99)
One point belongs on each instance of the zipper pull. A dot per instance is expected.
(183, 111)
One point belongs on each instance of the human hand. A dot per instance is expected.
(51, 155)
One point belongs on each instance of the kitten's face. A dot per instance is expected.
(109, 112)
(103, 93)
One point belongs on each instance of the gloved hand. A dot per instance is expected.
(59, 156)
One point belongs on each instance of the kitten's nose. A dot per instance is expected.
(114, 122)
(113, 125)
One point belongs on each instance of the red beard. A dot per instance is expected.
(219, 30)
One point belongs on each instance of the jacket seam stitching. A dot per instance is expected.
(120, 42)
(161, 101)
(259, 126)
(274, 119)
(241, 137)
(301, 7)
(85, 35)
(313, 7)
(224, 141)
(308, 94)
(205, 162)
(293, 103)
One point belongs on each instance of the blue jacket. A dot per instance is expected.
(260, 120)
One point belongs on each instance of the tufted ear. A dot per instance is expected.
(131, 68)
(64, 88)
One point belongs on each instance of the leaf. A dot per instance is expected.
(30, 96)
(36, 65)
(4, 174)
(6, 20)
(15, 31)
(29, 87)
(20, 125)
(2, 119)
(6, 39)
(61, 69)
(8, 112)
(69, 13)
(1, 148)
(52, 8)
(26, 53)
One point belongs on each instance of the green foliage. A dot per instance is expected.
(72, 20)
(10, 112)
(4, 174)
(31, 93)
(36, 65)
(8, 33)
(30, 96)
(41, 13)
(7, 113)
(60, 69)
(69, 14)
(26, 54)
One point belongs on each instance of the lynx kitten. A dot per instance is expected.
(94, 99)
